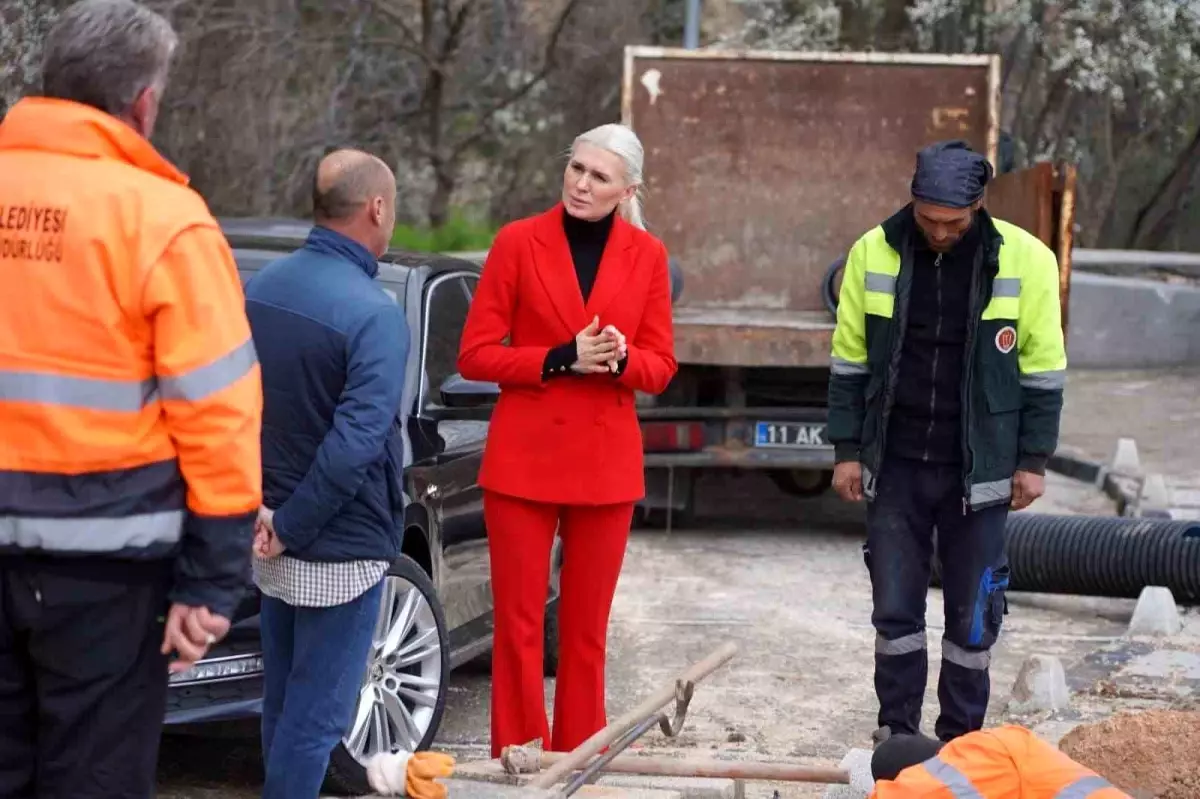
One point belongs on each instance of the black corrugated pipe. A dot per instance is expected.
(1101, 556)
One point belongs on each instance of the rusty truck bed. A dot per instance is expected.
(741, 337)
(762, 168)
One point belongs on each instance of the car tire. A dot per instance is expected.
(409, 607)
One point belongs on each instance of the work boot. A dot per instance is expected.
(880, 735)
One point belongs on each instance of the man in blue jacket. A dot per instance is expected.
(333, 348)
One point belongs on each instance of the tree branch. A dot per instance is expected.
(549, 61)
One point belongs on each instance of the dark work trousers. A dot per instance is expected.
(83, 685)
(912, 499)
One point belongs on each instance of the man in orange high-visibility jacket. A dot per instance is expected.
(1007, 762)
(130, 416)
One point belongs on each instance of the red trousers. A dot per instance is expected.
(520, 539)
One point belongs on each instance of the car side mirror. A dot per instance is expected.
(458, 392)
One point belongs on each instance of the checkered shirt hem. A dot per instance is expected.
(316, 585)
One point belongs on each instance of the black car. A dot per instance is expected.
(437, 608)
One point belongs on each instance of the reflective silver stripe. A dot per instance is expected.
(899, 646)
(959, 786)
(80, 392)
(91, 534)
(884, 284)
(1048, 381)
(991, 492)
(1083, 787)
(209, 379)
(840, 366)
(968, 659)
(1006, 287)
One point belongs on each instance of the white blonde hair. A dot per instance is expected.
(624, 143)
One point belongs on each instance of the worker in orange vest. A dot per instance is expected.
(1007, 762)
(130, 416)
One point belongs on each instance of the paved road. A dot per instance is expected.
(789, 588)
(786, 582)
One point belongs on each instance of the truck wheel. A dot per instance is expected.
(802, 482)
(656, 518)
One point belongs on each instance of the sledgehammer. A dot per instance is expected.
(528, 760)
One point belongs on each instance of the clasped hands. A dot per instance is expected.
(598, 351)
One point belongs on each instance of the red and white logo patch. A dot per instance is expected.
(1006, 339)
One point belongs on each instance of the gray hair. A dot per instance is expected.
(623, 142)
(104, 53)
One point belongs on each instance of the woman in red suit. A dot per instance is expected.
(571, 316)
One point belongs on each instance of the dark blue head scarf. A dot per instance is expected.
(950, 173)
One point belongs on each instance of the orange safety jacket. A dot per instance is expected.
(130, 393)
(1007, 762)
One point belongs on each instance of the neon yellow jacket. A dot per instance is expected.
(1015, 365)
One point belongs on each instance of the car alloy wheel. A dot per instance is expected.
(403, 691)
(404, 675)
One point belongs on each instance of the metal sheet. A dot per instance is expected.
(1041, 199)
(763, 168)
(1025, 198)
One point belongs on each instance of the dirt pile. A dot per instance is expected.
(1149, 755)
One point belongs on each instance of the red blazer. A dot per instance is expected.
(573, 439)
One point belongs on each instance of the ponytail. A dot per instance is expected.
(631, 210)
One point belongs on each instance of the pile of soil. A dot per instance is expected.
(1149, 755)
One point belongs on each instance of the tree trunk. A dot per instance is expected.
(855, 32)
(443, 189)
(1157, 218)
(895, 28)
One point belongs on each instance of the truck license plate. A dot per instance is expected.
(790, 434)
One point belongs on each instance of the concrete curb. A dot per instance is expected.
(1120, 490)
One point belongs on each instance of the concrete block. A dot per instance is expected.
(1119, 322)
(1125, 460)
(1155, 614)
(858, 763)
(1155, 499)
(1041, 684)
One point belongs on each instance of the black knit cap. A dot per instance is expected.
(901, 751)
(951, 174)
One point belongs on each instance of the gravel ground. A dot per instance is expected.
(785, 581)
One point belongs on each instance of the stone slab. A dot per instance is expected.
(491, 771)
(1139, 669)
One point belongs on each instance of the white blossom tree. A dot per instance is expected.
(1109, 84)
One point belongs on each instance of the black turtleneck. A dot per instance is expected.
(586, 240)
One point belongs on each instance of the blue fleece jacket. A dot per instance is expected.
(333, 348)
